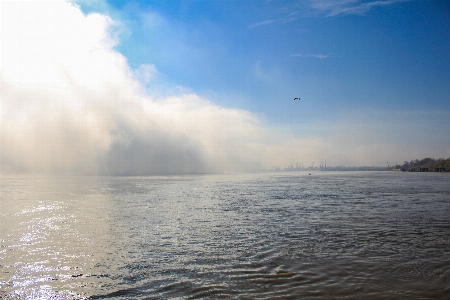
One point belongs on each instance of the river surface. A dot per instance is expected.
(331, 235)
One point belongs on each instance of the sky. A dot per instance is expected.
(200, 86)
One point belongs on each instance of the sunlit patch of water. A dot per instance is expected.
(281, 236)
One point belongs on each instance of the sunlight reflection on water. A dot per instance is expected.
(340, 235)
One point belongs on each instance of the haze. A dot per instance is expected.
(129, 88)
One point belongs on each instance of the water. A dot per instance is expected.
(350, 235)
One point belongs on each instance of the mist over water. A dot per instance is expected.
(71, 104)
(108, 126)
(353, 235)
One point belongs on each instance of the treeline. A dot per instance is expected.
(428, 162)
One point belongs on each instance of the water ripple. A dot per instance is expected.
(282, 236)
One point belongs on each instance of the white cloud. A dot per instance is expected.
(328, 8)
(348, 7)
(286, 19)
(151, 20)
(70, 104)
(146, 73)
(273, 75)
(311, 55)
(262, 23)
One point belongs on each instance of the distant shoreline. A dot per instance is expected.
(423, 165)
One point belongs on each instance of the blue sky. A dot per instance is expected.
(373, 76)
(337, 56)
(259, 55)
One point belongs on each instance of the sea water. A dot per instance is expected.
(329, 235)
